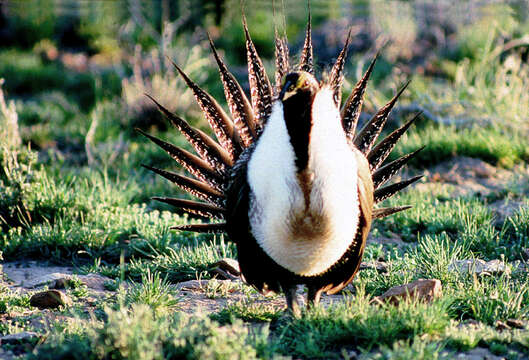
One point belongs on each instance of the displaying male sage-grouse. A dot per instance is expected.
(289, 175)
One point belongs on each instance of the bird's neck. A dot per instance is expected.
(297, 109)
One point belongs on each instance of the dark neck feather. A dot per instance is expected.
(298, 119)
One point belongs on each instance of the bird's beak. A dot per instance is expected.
(284, 94)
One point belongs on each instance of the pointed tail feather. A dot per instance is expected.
(260, 88)
(281, 53)
(194, 207)
(387, 211)
(336, 78)
(386, 172)
(212, 228)
(192, 186)
(205, 146)
(218, 120)
(390, 190)
(369, 133)
(382, 150)
(306, 61)
(192, 163)
(353, 106)
(240, 107)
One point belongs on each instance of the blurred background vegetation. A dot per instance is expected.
(75, 74)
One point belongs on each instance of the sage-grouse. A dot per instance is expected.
(288, 178)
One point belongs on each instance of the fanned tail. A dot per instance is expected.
(211, 167)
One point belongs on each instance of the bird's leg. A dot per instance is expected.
(313, 297)
(292, 301)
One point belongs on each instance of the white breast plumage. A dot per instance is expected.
(306, 240)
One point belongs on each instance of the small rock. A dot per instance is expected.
(421, 289)
(515, 323)
(379, 266)
(49, 299)
(478, 266)
(61, 283)
(24, 336)
(94, 281)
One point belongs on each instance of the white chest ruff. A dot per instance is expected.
(306, 240)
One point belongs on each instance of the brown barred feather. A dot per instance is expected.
(386, 172)
(192, 186)
(370, 132)
(212, 228)
(390, 190)
(192, 163)
(307, 59)
(387, 211)
(380, 152)
(205, 146)
(353, 105)
(216, 117)
(260, 88)
(281, 53)
(240, 107)
(336, 78)
(194, 207)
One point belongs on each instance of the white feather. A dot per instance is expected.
(277, 204)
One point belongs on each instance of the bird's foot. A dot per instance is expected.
(293, 308)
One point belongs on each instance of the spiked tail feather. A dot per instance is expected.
(370, 132)
(260, 88)
(281, 54)
(336, 78)
(216, 117)
(390, 190)
(383, 212)
(353, 106)
(206, 147)
(240, 107)
(194, 207)
(382, 175)
(192, 163)
(306, 61)
(382, 150)
(192, 186)
(213, 228)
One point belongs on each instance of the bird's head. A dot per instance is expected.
(299, 85)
